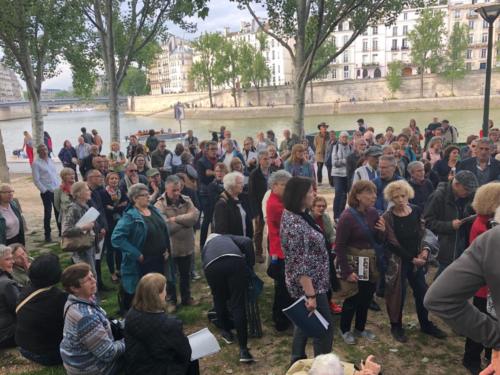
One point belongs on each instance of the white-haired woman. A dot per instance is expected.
(81, 195)
(9, 292)
(230, 217)
(330, 364)
(407, 255)
(142, 236)
(11, 221)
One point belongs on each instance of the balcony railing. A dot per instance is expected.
(394, 48)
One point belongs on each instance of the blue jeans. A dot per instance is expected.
(340, 184)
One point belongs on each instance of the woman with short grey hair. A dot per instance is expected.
(142, 236)
(230, 215)
(9, 293)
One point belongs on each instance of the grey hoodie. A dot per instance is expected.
(448, 296)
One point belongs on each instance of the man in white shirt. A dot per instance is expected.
(368, 171)
(46, 179)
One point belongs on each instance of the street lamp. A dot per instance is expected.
(489, 13)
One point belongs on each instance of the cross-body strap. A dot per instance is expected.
(30, 297)
(364, 226)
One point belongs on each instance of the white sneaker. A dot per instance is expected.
(348, 338)
(366, 334)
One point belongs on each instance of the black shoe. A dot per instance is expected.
(473, 368)
(374, 306)
(398, 334)
(48, 239)
(227, 336)
(434, 331)
(245, 356)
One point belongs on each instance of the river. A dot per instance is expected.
(66, 125)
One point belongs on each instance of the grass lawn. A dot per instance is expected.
(421, 355)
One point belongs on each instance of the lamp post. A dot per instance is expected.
(489, 13)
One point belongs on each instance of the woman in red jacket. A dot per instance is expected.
(486, 201)
(276, 270)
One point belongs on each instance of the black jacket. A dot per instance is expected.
(155, 344)
(228, 245)
(470, 164)
(9, 292)
(227, 217)
(422, 193)
(257, 187)
(201, 167)
(40, 321)
(441, 210)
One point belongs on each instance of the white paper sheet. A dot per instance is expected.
(91, 215)
(203, 343)
(100, 246)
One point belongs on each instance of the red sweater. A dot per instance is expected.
(274, 210)
(479, 226)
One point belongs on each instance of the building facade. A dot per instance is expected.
(10, 88)
(169, 73)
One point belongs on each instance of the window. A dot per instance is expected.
(346, 72)
(474, 1)
(405, 30)
(482, 66)
(394, 45)
(484, 38)
(374, 30)
(471, 24)
(341, 26)
(405, 16)
(334, 73)
(375, 45)
(365, 59)
(485, 24)
(483, 53)
(273, 54)
(404, 43)
(395, 31)
(346, 38)
(468, 66)
(469, 54)
(346, 57)
(457, 13)
(334, 40)
(471, 38)
(365, 45)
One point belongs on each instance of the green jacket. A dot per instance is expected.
(17, 211)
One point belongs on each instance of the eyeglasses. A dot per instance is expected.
(133, 170)
(7, 192)
(143, 195)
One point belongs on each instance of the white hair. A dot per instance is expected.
(326, 364)
(229, 180)
(4, 251)
(278, 176)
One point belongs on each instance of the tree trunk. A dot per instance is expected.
(233, 89)
(312, 96)
(258, 95)
(4, 169)
(36, 120)
(114, 114)
(298, 109)
(452, 88)
(210, 94)
(422, 84)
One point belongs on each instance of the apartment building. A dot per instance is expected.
(10, 88)
(169, 73)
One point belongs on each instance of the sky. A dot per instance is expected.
(222, 13)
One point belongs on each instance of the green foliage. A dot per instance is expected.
(426, 41)
(134, 83)
(394, 76)
(208, 69)
(254, 70)
(230, 65)
(454, 64)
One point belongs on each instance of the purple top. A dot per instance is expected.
(351, 234)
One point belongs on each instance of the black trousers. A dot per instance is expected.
(228, 281)
(330, 177)
(282, 298)
(183, 266)
(208, 213)
(473, 350)
(48, 204)
(357, 304)
(319, 173)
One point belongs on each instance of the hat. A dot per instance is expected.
(344, 134)
(375, 151)
(152, 172)
(45, 270)
(322, 124)
(468, 180)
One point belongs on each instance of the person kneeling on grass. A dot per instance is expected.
(329, 364)
(155, 343)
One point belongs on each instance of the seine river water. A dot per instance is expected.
(66, 125)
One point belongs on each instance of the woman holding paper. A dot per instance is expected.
(76, 210)
(155, 342)
(307, 270)
(406, 256)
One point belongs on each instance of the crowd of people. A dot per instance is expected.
(403, 204)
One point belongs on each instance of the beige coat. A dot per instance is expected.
(181, 231)
(320, 144)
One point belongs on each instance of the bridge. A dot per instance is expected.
(62, 101)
